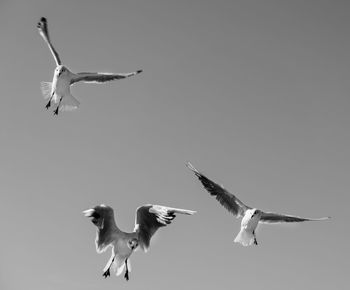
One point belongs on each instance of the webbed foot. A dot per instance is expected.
(126, 275)
(106, 274)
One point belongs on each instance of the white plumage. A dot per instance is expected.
(58, 91)
(148, 219)
(250, 216)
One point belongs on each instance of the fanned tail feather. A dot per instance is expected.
(69, 103)
(46, 88)
(118, 265)
(245, 238)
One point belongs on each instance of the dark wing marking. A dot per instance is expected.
(270, 217)
(97, 77)
(44, 32)
(102, 217)
(149, 218)
(226, 199)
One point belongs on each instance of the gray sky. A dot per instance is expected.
(254, 93)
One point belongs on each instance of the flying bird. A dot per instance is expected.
(148, 219)
(58, 91)
(250, 216)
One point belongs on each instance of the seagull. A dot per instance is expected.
(250, 216)
(148, 219)
(58, 91)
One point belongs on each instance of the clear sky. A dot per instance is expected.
(254, 93)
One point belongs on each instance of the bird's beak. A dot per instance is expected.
(88, 212)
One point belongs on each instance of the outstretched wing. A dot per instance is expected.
(44, 32)
(227, 199)
(270, 217)
(97, 77)
(102, 216)
(149, 218)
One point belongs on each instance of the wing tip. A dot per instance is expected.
(191, 167)
(189, 212)
(325, 218)
(139, 71)
(318, 219)
(88, 212)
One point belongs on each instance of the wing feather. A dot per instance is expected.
(225, 198)
(270, 217)
(98, 77)
(44, 32)
(149, 218)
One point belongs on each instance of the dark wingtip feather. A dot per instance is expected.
(192, 168)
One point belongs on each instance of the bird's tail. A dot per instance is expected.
(119, 265)
(245, 238)
(46, 88)
(69, 103)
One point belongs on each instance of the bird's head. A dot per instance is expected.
(133, 244)
(256, 212)
(100, 215)
(42, 25)
(61, 70)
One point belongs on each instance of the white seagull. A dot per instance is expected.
(58, 91)
(149, 218)
(251, 216)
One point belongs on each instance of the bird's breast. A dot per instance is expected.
(123, 248)
(249, 222)
(61, 85)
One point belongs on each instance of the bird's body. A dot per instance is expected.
(251, 217)
(61, 81)
(249, 223)
(58, 91)
(148, 219)
(123, 244)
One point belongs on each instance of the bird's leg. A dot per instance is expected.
(107, 272)
(55, 112)
(126, 275)
(49, 103)
(255, 241)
